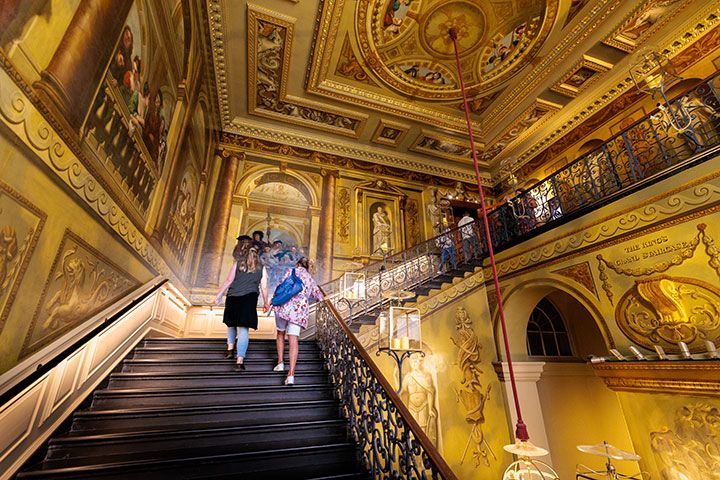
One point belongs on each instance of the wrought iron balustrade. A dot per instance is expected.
(392, 444)
(649, 147)
(403, 271)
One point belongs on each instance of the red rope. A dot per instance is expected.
(521, 432)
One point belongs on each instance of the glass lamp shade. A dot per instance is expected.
(353, 286)
(526, 467)
(652, 71)
(403, 329)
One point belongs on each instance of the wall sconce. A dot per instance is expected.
(651, 73)
(399, 335)
(353, 290)
(526, 467)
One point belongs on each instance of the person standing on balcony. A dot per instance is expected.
(246, 281)
(447, 250)
(292, 316)
(471, 247)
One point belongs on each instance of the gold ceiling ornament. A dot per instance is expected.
(270, 37)
(580, 76)
(644, 20)
(665, 310)
(406, 42)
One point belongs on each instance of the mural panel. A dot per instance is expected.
(81, 283)
(20, 226)
(181, 217)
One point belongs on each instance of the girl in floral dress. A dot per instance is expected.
(292, 317)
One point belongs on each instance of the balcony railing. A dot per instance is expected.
(647, 149)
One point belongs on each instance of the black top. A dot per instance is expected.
(245, 282)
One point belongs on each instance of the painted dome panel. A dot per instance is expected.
(407, 45)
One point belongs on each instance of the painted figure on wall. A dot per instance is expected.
(505, 47)
(652, 14)
(470, 392)
(420, 394)
(394, 16)
(691, 449)
(382, 230)
(8, 252)
(434, 214)
(122, 61)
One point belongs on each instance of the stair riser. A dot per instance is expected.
(88, 425)
(221, 367)
(294, 466)
(284, 394)
(236, 380)
(195, 444)
(200, 356)
(252, 347)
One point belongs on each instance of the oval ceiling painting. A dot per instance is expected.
(407, 45)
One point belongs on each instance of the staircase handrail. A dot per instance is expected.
(392, 443)
(52, 359)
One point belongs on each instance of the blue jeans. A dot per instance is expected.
(242, 334)
(448, 253)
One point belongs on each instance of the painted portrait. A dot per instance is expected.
(142, 85)
(81, 283)
(20, 226)
(181, 219)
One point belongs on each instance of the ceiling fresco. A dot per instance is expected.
(406, 43)
(376, 80)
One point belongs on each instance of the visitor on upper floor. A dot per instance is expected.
(470, 244)
(246, 281)
(447, 250)
(292, 317)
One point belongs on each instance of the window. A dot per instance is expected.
(546, 332)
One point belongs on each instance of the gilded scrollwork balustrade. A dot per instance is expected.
(392, 444)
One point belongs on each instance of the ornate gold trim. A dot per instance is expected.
(342, 121)
(691, 378)
(594, 64)
(388, 124)
(439, 140)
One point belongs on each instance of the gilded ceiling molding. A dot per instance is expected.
(580, 76)
(690, 378)
(270, 37)
(20, 115)
(217, 59)
(445, 146)
(642, 22)
(400, 161)
(527, 122)
(695, 29)
(389, 133)
(318, 80)
(601, 9)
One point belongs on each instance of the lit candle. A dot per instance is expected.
(395, 344)
(405, 343)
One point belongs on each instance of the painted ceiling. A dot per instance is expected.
(377, 81)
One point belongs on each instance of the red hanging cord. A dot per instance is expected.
(521, 432)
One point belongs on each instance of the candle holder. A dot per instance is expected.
(354, 292)
(399, 335)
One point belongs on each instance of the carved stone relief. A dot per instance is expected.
(413, 223)
(342, 220)
(581, 273)
(20, 226)
(691, 447)
(471, 394)
(420, 394)
(81, 283)
(664, 310)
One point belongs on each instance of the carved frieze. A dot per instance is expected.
(81, 283)
(20, 226)
(342, 219)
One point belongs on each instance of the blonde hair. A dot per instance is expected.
(246, 257)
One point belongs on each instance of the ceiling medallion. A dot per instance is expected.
(406, 42)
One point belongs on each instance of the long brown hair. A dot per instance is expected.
(246, 256)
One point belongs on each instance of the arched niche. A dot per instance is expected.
(589, 146)
(682, 86)
(588, 331)
(262, 176)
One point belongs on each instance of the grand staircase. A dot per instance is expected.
(175, 408)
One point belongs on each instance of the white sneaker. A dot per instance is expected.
(290, 380)
(280, 367)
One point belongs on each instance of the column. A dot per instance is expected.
(217, 227)
(77, 66)
(326, 231)
(527, 374)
